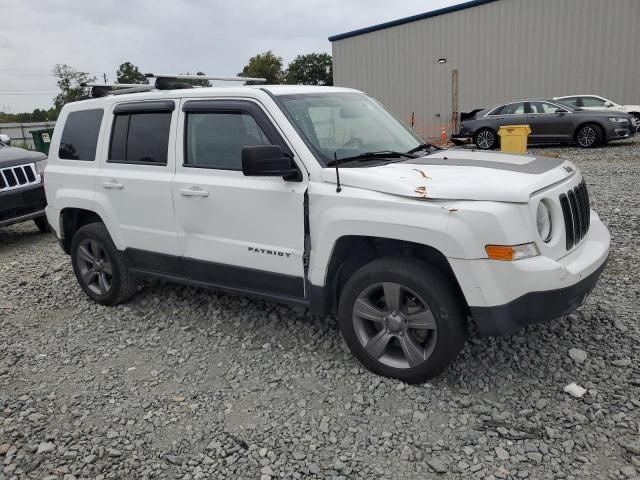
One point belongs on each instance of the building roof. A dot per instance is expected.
(402, 21)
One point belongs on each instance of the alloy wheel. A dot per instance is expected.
(485, 139)
(95, 267)
(394, 325)
(586, 136)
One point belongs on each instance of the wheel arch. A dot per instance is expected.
(486, 127)
(72, 219)
(588, 122)
(350, 252)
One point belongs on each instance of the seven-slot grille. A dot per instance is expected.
(18, 177)
(576, 213)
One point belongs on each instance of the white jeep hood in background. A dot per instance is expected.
(459, 175)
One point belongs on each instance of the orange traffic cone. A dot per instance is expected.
(443, 137)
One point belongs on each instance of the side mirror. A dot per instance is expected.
(608, 104)
(268, 161)
(5, 139)
(561, 110)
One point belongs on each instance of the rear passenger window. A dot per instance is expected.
(80, 135)
(216, 139)
(571, 101)
(140, 137)
(513, 109)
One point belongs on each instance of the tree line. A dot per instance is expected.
(308, 69)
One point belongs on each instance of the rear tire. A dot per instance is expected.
(402, 319)
(486, 139)
(589, 136)
(42, 224)
(99, 267)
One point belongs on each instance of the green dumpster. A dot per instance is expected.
(42, 139)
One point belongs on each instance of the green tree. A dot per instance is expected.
(36, 116)
(311, 69)
(129, 73)
(70, 82)
(196, 83)
(264, 65)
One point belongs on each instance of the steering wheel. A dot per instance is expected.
(354, 142)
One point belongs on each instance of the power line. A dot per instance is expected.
(5, 90)
(29, 94)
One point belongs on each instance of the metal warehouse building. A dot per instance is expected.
(428, 68)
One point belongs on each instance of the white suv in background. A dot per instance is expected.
(596, 102)
(237, 188)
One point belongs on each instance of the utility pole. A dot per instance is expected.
(105, 78)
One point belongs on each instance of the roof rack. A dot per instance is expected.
(162, 82)
(104, 89)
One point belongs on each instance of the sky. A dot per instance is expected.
(168, 36)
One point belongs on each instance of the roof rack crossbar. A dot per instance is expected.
(205, 77)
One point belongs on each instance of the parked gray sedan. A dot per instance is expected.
(551, 121)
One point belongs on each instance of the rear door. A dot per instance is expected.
(510, 114)
(549, 122)
(134, 182)
(243, 233)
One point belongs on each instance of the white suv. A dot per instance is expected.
(596, 102)
(237, 188)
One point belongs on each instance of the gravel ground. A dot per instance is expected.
(186, 383)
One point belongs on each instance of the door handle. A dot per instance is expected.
(193, 192)
(113, 184)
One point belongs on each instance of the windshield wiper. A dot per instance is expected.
(371, 156)
(424, 146)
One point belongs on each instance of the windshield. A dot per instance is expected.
(346, 124)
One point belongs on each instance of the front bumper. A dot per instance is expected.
(504, 297)
(620, 131)
(534, 307)
(21, 205)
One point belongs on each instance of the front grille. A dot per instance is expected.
(17, 177)
(576, 213)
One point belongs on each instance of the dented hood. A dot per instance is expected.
(459, 175)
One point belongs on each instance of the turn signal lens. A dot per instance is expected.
(508, 253)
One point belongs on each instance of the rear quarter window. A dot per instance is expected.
(80, 135)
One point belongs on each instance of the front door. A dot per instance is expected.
(549, 122)
(244, 233)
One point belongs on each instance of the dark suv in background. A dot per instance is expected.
(551, 121)
(22, 195)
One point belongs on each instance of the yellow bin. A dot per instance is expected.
(513, 138)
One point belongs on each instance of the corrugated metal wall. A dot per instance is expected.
(20, 133)
(504, 50)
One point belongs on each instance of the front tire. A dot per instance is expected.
(486, 139)
(590, 136)
(42, 224)
(99, 266)
(402, 319)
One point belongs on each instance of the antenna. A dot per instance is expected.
(335, 161)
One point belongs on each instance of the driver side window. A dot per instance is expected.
(216, 139)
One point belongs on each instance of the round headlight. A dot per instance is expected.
(543, 221)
